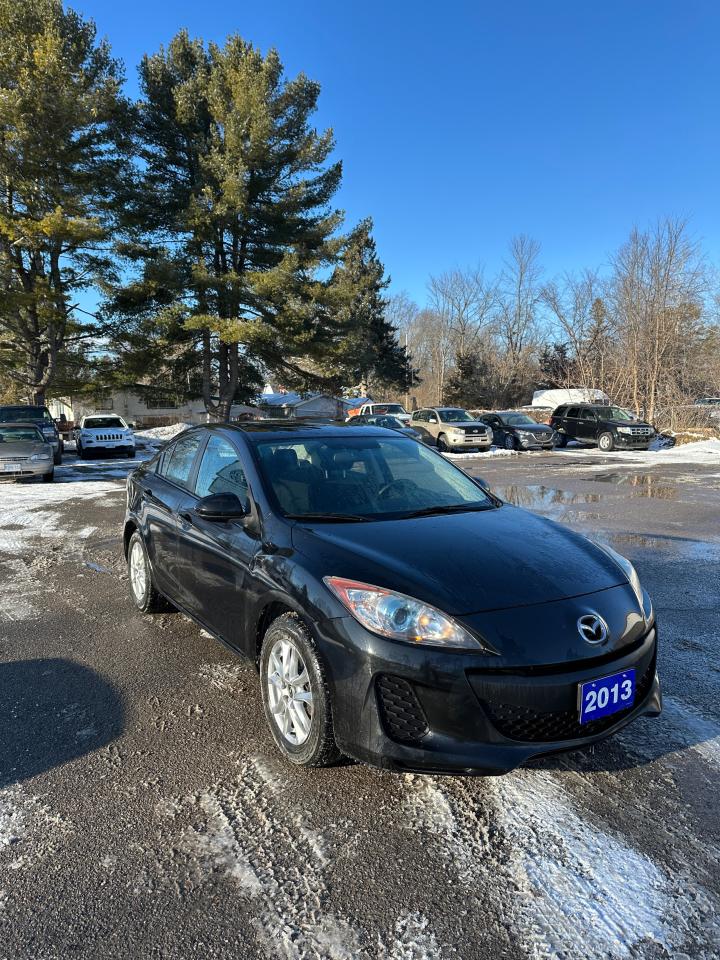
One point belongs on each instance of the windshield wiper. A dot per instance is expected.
(448, 508)
(330, 517)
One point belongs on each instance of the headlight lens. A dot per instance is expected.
(456, 432)
(399, 617)
(624, 429)
(40, 456)
(631, 573)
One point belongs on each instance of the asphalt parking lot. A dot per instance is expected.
(145, 813)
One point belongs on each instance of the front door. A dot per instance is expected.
(214, 557)
(587, 426)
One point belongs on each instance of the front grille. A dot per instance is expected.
(641, 431)
(4, 459)
(532, 726)
(400, 711)
(108, 436)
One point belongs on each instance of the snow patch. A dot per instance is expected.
(18, 592)
(413, 940)
(222, 676)
(27, 828)
(585, 892)
(163, 433)
(492, 452)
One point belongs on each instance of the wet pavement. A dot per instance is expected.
(145, 812)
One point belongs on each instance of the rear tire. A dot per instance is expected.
(561, 441)
(606, 442)
(296, 694)
(510, 443)
(142, 587)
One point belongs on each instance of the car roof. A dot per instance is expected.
(257, 430)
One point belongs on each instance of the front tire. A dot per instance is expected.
(57, 458)
(442, 444)
(49, 477)
(606, 442)
(296, 694)
(142, 587)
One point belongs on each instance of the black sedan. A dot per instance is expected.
(397, 611)
(385, 421)
(518, 431)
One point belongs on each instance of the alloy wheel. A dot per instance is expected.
(138, 571)
(289, 692)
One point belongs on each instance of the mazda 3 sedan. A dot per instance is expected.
(397, 611)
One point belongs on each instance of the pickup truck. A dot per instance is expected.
(380, 409)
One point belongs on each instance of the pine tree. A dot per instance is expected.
(370, 356)
(231, 222)
(63, 144)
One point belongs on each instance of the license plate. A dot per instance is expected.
(600, 698)
(12, 467)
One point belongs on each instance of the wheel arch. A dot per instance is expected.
(130, 528)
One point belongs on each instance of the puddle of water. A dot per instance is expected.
(687, 548)
(641, 484)
(538, 495)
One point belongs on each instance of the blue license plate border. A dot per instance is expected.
(611, 706)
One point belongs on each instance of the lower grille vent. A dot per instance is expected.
(401, 713)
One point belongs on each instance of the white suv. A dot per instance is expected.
(103, 431)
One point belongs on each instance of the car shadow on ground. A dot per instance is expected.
(641, 743)
(52, 711)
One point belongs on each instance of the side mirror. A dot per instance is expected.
(432, 419)
(220, 506)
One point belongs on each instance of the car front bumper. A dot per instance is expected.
(469, 440)
(25, 468)
(405, 708)
(120, 446)
(632, 443)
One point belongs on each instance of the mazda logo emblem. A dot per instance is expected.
(593, 628)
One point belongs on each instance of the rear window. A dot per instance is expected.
(560, 412)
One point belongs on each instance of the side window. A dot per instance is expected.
(221, 471)
(560, 412)
(587, 414)
(178, 462)
(573, 412)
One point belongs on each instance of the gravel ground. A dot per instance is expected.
(145, 813)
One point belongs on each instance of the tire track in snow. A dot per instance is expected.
(569, 887)
(246, 831)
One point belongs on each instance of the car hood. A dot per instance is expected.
(462, 423)
(21, 448)
(463, 563)
(533, 427)
(629, 423)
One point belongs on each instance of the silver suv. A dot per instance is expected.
(452, 429)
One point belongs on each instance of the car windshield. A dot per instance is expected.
(454, 416)
(387, 408)
(518, 420)
(8, 414)
(104, 423)
(20, 434)
(613, 413)
(368, 478)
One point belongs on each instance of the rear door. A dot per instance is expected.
(215, 557)
(162, 493)
(571, 422)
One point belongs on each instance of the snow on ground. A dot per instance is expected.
(705, 452)
(158, 435)
(492, 452)
(26, 513)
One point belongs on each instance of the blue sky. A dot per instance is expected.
(460, 124)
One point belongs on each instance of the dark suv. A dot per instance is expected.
(24, 413)
(607, 426)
